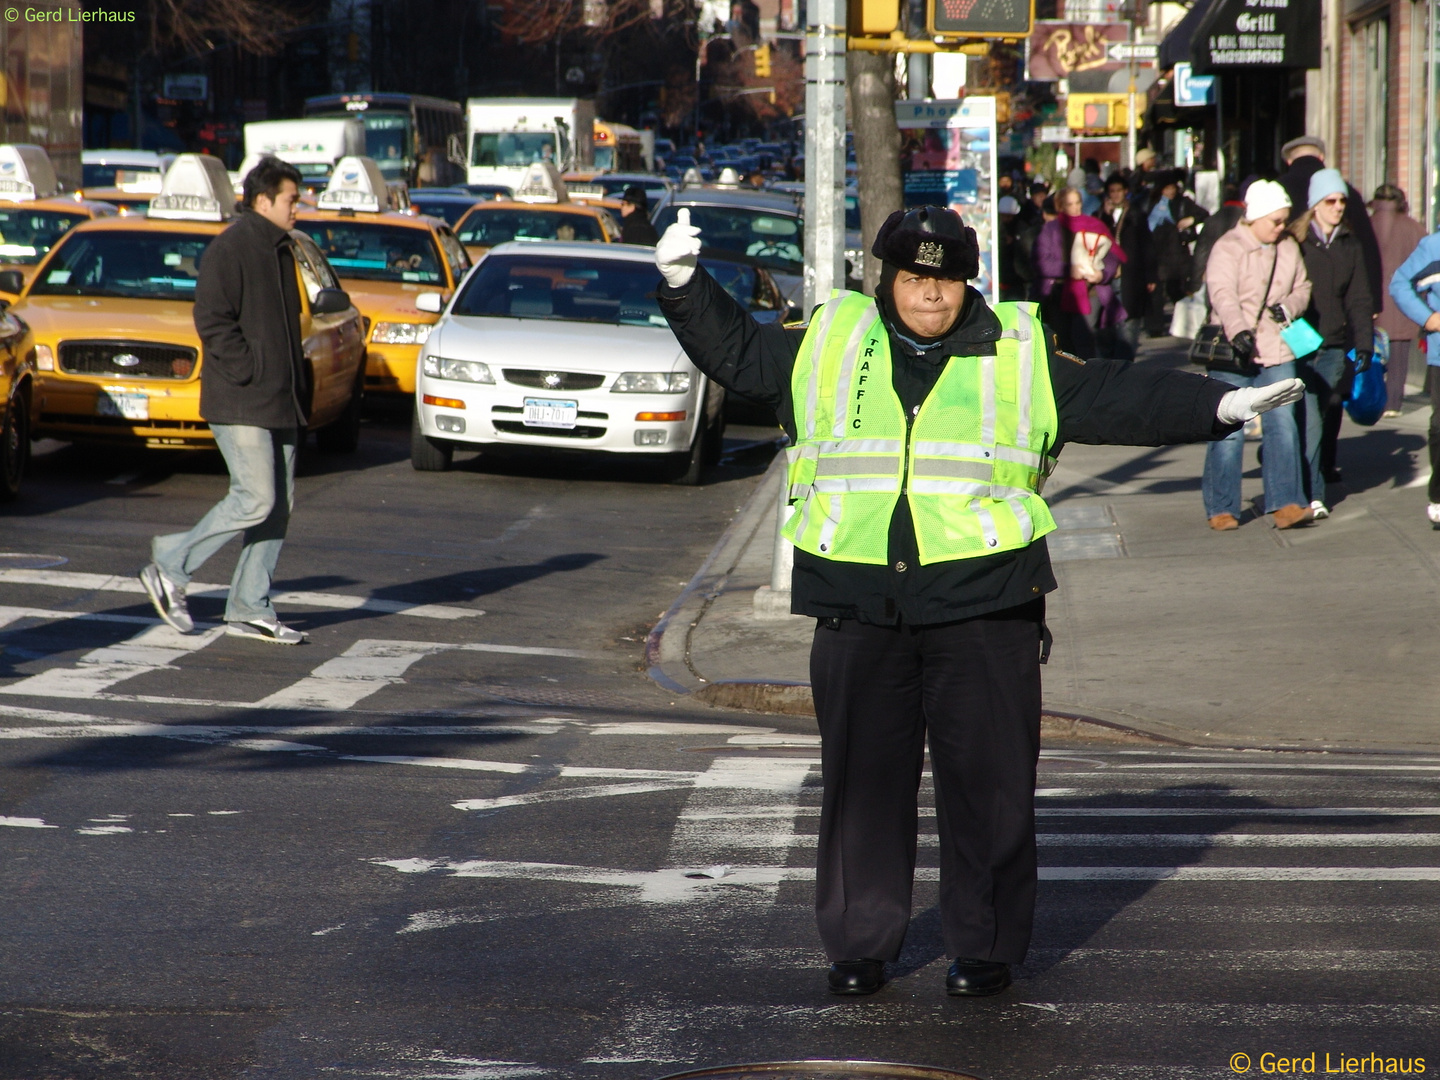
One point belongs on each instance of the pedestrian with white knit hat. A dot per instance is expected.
(1256, 281)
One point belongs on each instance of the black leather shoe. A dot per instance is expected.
(1333, 475)
(976, 978)
(856, 976)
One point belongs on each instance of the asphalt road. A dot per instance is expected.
(440, 843)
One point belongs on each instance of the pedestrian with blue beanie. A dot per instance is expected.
(1415, 288)
(1341, 310)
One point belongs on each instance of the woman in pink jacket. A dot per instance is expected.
(1255, 252)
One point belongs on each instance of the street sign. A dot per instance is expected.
(1055, 133)
(1123, 51)
(1192, 89)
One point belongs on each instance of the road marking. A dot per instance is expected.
(25, 823)
(68, 579)
(676, 884)
(345, 680)
(1239, 873)
(1236, 811)
(155, 647)
(1207, 840)
(703, 837)
(1228, 766)
(566, 794)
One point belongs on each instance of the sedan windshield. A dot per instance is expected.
(771, 238)
(26, 235)
(485, 227)
(147, 266)
(448, 210)
(375, 251)
(554, 287)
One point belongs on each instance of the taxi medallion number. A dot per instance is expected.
(551, 412)
(126, 404)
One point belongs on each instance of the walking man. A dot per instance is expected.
(923, 423)
(255, 395)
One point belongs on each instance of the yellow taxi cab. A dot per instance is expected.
(385, 258)
(17, 387)
(541, 210)
(117, 356)
(33, 213)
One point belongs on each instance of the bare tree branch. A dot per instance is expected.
(257, 26)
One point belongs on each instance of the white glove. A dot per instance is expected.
(678, 251)
(1249, 402)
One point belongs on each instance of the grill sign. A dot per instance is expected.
(125, 360)
(1258, 33)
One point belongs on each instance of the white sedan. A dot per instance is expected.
(562, 345)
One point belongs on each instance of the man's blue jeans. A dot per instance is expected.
(1281, 468)
(1324, 374)
(262, 493)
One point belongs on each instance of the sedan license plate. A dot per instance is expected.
(550, 412)
(126, 404)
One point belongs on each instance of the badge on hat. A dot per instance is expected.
(930, 253)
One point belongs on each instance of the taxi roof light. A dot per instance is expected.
(26, 173)
(356, 184)
(196, 187)
(542, 184)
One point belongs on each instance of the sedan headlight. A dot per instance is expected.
(401, 333)
(440, 367)
(652, 382)
(44, 358)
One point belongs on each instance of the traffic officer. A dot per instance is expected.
(922, 424)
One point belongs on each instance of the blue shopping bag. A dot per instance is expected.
(1367, 397)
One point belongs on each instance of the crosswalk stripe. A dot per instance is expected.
(682, 883)
(1235, 811)
(67, 579)
(155, 647)
(1187, 840)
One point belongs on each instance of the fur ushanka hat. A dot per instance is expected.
(929, 240)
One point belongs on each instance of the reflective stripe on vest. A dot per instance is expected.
(970, 466)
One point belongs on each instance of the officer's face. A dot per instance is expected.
(927, 306)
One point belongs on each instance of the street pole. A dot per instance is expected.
(1432, 174)
(1130, 110)
(824, 150)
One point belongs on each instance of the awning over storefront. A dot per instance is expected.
(1176, 46)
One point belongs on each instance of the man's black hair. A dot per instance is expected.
(266, 179)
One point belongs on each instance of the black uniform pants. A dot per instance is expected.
(974, 688)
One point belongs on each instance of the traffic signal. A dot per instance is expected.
(1100, 114)
(979, 18)
(762, 61)
(868, 17)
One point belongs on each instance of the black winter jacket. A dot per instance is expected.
(636, 229)
(1099, 401)
(247, 312)
(1216, 226)
(1139, 270)
(1340, 307)
(1296, 182)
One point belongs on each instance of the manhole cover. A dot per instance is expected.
(822, 1070)
(15, 560)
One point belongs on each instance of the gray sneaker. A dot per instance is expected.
(168, 598)
(267, 630)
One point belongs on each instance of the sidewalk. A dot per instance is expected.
(1327, 636)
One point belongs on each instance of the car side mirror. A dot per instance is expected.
(330, 302)
(431, 302)
(11, 281)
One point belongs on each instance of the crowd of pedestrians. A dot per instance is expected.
(1301, 276)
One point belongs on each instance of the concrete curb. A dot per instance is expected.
(667, 648)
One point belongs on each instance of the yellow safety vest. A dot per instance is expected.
(971, 465)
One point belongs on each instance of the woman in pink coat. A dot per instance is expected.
(1256, 281)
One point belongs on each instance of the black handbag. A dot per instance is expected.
(1216, 352)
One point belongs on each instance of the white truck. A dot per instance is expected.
(508, 135)
(312, 146)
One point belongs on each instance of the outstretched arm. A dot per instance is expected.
(1124, 404)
